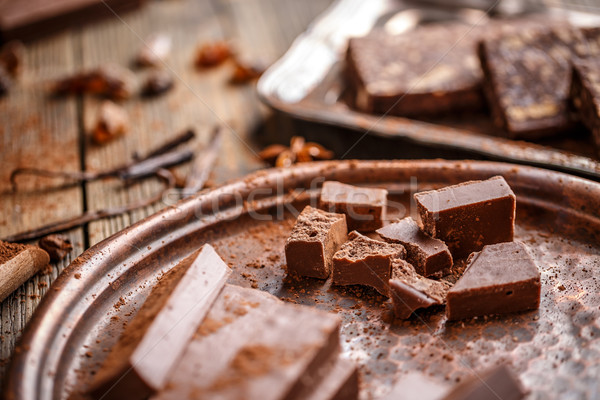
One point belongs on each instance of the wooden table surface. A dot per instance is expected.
(38, 131)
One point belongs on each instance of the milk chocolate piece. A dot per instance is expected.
(341, 382)
(469, 215)
(585, 94)
(365, 261)
(410, 291)
(253, 346)
(527, 78)
(500, 279)
(152, 343)
(316, 236)
(428, 255)
(492, 384)
(364, 207)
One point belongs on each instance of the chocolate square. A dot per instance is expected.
(316, 236)
(469, 215)
(585, 94)
(502, 278)
(365, 261)
(364, 207)
(428, 255)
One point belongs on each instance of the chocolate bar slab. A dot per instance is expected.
(253, 346)
(492, 384)
(500, 279)
(410, 291)
(151, 345)
(527, 78)
(316, 236)
(364, 207)
(428, 255)
(585, 94)
(365, 261)
(469, 215)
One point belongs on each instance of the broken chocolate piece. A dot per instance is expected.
(112, 122)
(410, 291)
(428, 255)
(585, 94)
(251, 345)
(18, 263)
(57, 246)
(491, 384)
(157, 83)
(364, 207)
(365, 261)
(213, 54)
(316, 236)
(469, 215)
(500, 279)
(111, 81)
(153, 342)
(527, 78)
(155, 50)
(11, 57)
(340, 382)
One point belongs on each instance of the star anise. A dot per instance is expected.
(299, 151)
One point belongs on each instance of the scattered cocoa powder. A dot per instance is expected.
(10, 250)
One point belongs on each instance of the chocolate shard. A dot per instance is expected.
(500, 279)
(365, 261)
(585, 94)
(253, 346)
(151, 345)
(469, 215)
(527, 78)
(364, 207)
(495, 383)
(410, 291)
(428, 255)
(316, 236)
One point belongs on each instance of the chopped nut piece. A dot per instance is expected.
(112, 122)
(213, 54)
(157, 83)
(156, 49)
(11, 57)
(57, 246)
(111, 81)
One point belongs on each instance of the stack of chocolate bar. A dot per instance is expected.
(409, 261)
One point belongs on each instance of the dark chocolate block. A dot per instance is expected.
(527, 78)
(365, 261)
(364, 207)
(151, 345)
(585, 94)
(502, 278)
(410, 291)
(491, 384)
(316, 236)
(428, 255)
(469, 215)
(253, 346)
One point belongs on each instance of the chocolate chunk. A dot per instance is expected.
(111, 81)
(500, 279)
(585, 94)
(428, 255)
(527, 78)
(340, 382)
(365, 261)
(152, 343)
(410, 291)
(253, 346)
(316, 236)
(492, 384)
(112, 122)
(155, 50)
(364, 207)
(157, 83)
(469, 215)
(57, 246)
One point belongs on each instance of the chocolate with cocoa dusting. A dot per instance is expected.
(428, 255)
(111, 81)
(365, 261)
(502, 278)
(585, 94)
(316, 236)
(112, 121)
(57, 246)
(364, 207)
(469, 215)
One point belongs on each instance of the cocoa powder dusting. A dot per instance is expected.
(10, 250)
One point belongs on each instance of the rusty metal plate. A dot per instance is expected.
(555, 350)
(307, 84)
